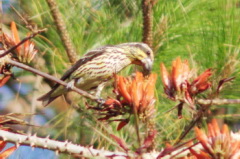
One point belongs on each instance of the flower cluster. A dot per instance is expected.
(23, 53)
(134, 95)
(138, 93)
(178, 85)
(217, 143)
(5, 72)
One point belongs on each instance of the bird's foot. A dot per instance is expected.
(100, 102)
(70, 85)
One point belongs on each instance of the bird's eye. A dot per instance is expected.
(148, 53)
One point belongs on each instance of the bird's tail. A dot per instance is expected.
(48, 97)
(52, 95)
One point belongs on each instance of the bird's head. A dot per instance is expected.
(140, 54)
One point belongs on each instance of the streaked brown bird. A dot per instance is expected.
(98, 66)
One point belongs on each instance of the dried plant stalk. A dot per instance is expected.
(59, 22)
(147, 21)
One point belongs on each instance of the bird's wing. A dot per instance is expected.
(96, 51)
(86, 57)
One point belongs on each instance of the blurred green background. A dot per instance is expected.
(205, 32)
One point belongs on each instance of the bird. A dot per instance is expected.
(98, 66)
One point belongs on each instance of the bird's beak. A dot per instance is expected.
(147, 66)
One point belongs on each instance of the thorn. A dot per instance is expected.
(32, 148)
(57, 152)
(27, 138)
(46, 141)
(32, 144)
(17, 144)
(66, 142)
(4, 138)
(66, 145)
(47, 137)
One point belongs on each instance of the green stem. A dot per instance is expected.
(137, 125)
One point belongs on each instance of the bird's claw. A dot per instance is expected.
(100, 102)
(70, 85)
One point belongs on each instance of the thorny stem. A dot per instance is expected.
(52, 78)
(58, 146)
(59, 22)
(73, 149)
(21, 42)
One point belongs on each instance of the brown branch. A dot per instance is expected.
(190, 126)
(218, 101)
(21, 42)
(52, 78)
(147, 6)
(62, 29)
